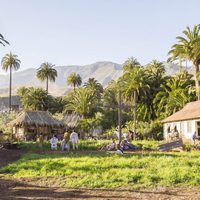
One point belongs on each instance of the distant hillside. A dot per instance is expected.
(104, 72)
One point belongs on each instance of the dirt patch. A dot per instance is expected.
(13, 189)
(9, 156)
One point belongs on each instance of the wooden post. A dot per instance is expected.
(134, 136)
(120, 116)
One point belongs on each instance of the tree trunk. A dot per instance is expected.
(74, 86)
(197, 83)
(135, 117)
(10, 103)
(119, 117)
(47, 86)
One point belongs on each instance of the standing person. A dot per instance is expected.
(54, 142)
(74, 140)
(65, 144)
(194, 136)
(41, 141)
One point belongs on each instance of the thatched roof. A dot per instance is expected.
(189, 112)
(71, 120)
(36, 118)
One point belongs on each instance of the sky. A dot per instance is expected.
(80, 32)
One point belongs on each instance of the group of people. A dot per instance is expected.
(69, 139)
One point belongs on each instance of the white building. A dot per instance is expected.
(185, 122)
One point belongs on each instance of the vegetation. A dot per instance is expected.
(187, 48)
(3, 41)
(105, 170)
(10, 62)
(75, 80)
(47, 72)
(154, 94)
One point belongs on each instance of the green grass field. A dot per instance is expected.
(94, 169)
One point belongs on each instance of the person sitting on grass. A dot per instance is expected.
(54, 142)
(110, 147)
(74, 140)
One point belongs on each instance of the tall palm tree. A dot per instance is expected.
(48, 73)
(2, 40)
(74, 79)
(133, 83)
(187, 48)
(130, 63)
(10, 62)
(95, 87)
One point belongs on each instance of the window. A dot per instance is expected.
(189, 126)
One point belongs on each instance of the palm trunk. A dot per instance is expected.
(10, 103)
(120, 117)
(47, 85)
(135, 117)
(74, 87)
(197, 83)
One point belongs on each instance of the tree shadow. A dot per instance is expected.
(12, 189)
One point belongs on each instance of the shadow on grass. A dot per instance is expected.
(12, 189)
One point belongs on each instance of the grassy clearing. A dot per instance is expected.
(93, 145)
(106, 170)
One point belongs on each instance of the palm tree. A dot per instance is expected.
(10, 62)
(74, 79)
(81, 102)
(47, 72)
(133, 83)
(34, 98)
(130, 63)
(175, 93)
(187, 48)
(2, 40)
(95, 87)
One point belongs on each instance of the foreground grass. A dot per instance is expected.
(105, 170)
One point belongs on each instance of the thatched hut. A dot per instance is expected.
(29, 124)
(71, 120)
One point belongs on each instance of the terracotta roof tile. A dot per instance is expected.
(190, 111)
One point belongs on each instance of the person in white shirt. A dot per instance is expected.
(74, 140)
(54, 143)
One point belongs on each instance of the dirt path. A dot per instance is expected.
(13, 189)
(10, 189)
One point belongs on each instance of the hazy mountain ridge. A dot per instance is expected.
(104, 72)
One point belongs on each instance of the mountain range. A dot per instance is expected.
(104, 72)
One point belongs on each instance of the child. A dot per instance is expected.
(54, 142)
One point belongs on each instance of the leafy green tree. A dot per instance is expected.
(34, 99)
(82, 102)
(134, 80)
(10, 62)
(47, 73)
(3, 41)
(22, 91)
(130, 64)
(95, 87)
(75, 80)
(187, 48)
(177, 91)
(155, 77)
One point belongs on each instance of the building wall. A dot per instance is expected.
(184, 128)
